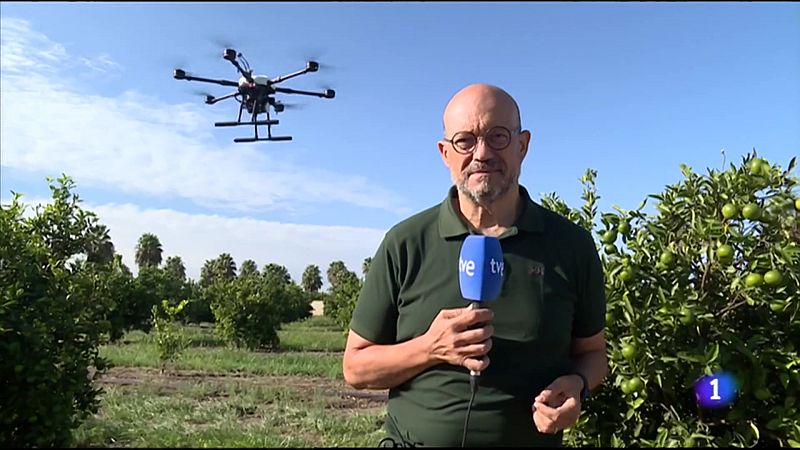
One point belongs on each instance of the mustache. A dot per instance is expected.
(483, 166)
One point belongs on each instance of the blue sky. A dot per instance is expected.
(629, 89)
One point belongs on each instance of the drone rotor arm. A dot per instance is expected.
(310, 67)
(224, 97)
(181, 75)
(326, 94)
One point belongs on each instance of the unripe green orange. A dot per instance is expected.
(753, 280)
(751, 211)
(667, 258)
(773, 277)
(729, 211)
(725, 252)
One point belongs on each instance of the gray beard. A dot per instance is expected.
(485, 194)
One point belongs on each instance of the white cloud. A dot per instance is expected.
(140, 144)
(24, 49)
(102, 63)
(198, 237)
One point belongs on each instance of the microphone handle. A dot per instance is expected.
(475, 305)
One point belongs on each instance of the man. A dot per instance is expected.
(412, 333)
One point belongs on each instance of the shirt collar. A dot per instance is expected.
(451, 224)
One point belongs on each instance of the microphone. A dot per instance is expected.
(480, 277)
(480, 270)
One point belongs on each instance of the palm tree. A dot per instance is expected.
(174, 266)
(277, 271)
(225, 267)
(249, 268)
(365, 266)
(312, 278)
(99, 248)
(207, 273)
(222, 268)
(117, 264)
(148, 251)
(335, 271)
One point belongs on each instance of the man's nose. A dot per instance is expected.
(482, 152)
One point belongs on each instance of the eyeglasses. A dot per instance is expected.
(497, 138)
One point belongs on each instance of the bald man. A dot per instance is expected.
(540, 347)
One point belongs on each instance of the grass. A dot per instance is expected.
(215, 396)
(233, 414)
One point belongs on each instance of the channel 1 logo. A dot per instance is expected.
(716, 390)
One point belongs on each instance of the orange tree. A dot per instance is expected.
(54, 310)
(707, 284)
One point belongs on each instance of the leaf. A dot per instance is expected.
(638, 402)
(714, 354)
(688, 357)
(793, 443)
(755, 430)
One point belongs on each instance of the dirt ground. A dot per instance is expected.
(337, 394)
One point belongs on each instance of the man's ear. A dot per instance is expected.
(525, 140)
(443, 150)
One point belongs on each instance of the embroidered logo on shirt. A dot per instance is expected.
(536, 269)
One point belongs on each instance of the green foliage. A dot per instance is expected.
(109, 285)
(366, 265)
(249, 310)
(278, 272)
(199, 308)
(249, 268)
(677, 310)
(170, 338)
(312, 279)
(222, 268)
(148, 251)
(341, 302)
(336, 270)
(53, 316)
(175, 268)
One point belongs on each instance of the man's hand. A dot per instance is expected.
(455, 337)
(558, 406)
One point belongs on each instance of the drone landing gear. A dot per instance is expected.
(269, 123)
(257, 139)
(259, 122)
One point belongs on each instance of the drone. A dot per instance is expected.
(255, 93)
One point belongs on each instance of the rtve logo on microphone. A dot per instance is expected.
(468, 266)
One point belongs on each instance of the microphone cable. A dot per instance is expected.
(473, 386)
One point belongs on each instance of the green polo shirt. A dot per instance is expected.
(553, 290)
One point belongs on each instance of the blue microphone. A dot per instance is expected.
(480, 271)
(480, 268)
(480, 276)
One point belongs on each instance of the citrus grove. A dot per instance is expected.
(707, 283)
(704, 280)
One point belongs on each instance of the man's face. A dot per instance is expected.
(483, 174)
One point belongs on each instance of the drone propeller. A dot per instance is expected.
(209, 97)
(293, 106)
(315, 54)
